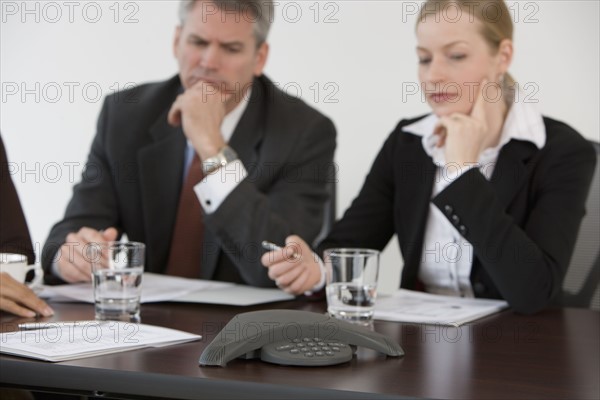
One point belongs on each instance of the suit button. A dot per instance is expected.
(463, 230)
(448, 210)
(455, 219)
(479, 288)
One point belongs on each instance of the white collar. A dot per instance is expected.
(232, 119)
(523, 122)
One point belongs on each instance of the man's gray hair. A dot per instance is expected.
(259, 12)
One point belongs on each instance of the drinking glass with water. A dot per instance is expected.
(117, 270)
(352, 283)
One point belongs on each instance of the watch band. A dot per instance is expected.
(221, 159)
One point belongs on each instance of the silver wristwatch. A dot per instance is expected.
(221, 159)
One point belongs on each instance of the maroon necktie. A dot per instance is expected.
(186, 245)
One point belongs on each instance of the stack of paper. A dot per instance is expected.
(155, 288)
(60, 341)
(424, 308)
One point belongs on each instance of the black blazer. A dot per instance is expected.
(14, 234)
(134, 176)
(522, 224)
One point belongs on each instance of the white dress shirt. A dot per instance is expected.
(447, 257)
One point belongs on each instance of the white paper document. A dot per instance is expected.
(61, 341)
(157, 288)
(237, 295)
(424, 308)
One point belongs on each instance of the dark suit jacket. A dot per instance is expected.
(134, 176)
(14, 234)
(522, 224)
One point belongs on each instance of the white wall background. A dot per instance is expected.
(350, 59)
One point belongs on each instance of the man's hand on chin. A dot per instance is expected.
(200, 110)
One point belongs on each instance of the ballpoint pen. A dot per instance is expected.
(273, 247)
(270, 246)
(31, 326)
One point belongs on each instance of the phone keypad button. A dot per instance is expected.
(284, 347)
(307, 351)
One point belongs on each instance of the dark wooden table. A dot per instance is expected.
(552, 355)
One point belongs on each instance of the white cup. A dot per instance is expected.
(16, 266)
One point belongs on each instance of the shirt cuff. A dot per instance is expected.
(321, 282)
(215, 187)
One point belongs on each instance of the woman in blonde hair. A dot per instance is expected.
(485, 194)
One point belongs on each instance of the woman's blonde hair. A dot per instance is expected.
(495, 18)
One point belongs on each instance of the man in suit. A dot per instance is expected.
(204, 166)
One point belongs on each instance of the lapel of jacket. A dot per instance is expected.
(512, 169)
(414, 196)
(249, 131)
(161, 174)
(245, 140)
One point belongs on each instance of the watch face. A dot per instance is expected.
(221, 159)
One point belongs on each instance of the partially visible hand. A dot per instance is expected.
(466, 136)
(201, 110)
(73, 264)
(294, 268)
(18, 299)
